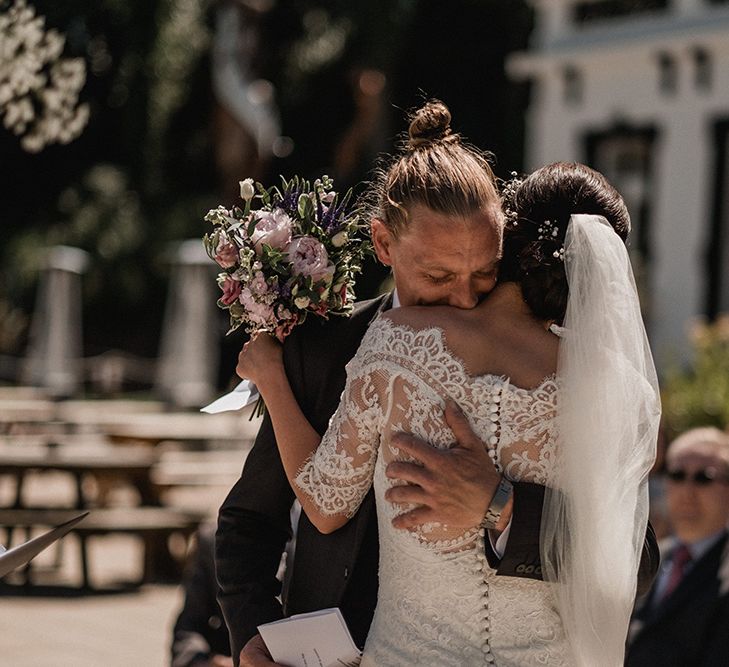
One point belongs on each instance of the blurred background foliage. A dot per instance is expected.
(160, 149)
(148, 164)
(699, 395)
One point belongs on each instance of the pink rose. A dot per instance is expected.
(226, 252)
(273, 228)
(258, 313)
(231, 290)
(308, 257)
(258, 285)
(286, 324)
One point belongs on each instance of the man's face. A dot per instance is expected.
(697, 510)
(441, 260)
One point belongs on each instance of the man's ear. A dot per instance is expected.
(382, 240)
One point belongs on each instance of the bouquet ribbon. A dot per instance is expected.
(244, 394)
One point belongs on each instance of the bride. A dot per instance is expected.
(553, 372)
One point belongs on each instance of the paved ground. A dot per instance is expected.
(131, 628)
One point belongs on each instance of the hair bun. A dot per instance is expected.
(430, 124)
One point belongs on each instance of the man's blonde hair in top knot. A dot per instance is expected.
(429, 125)
(437, 170)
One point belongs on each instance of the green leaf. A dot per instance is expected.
(305, 207)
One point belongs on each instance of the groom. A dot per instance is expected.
(434, 261)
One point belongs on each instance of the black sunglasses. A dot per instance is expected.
(700, 477)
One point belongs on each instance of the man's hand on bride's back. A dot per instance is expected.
(451, 486)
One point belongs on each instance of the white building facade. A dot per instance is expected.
(640, 91)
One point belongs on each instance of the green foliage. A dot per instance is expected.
(699, 396)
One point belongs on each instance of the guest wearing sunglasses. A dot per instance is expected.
(684, 620)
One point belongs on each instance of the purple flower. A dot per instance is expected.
(284, 290)
(330, 217)
(290, 201)
(308, 257)
(273, 228)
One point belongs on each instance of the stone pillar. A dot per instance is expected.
(189, 350)
(54, 357)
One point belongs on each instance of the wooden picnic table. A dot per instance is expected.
(104, 460)
(152, 524)
(149, 521)
(181, 426)
(25, 412)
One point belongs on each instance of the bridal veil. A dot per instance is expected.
(595, 517)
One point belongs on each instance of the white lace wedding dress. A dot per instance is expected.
(439, 601)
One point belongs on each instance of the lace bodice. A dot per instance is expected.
(398, 381)
(439, 602)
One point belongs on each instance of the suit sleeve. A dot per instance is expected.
(521, 556)
(250, 540)
(253, 528)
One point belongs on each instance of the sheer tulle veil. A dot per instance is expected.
(595, 517)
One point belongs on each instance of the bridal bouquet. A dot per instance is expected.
(297, 252)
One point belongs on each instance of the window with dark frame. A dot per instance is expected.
(591, 12)
(717, 250)
(573, 85)
(703, 69)
(625, 155)
(667, 74)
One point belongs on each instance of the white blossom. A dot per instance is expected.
(339, 239)
(39, 90)
(247, 189)
(302, 302)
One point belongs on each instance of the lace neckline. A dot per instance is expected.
(461, 364)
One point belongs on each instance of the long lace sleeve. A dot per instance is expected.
(339, 473)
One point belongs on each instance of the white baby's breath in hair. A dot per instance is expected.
(507, 195)
(39, 90)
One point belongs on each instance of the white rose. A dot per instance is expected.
(247, 189)
(339, 239)
(301, 301)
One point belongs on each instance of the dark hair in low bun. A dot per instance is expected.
(552, 193)
(434, 169)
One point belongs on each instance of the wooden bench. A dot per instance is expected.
(153, 525)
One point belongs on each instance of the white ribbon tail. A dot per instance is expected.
(244, 394)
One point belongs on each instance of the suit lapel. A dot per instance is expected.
(384, 305)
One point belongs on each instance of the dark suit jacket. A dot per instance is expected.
(339, 569)
(691, 627)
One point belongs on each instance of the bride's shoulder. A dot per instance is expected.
(419, 317)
